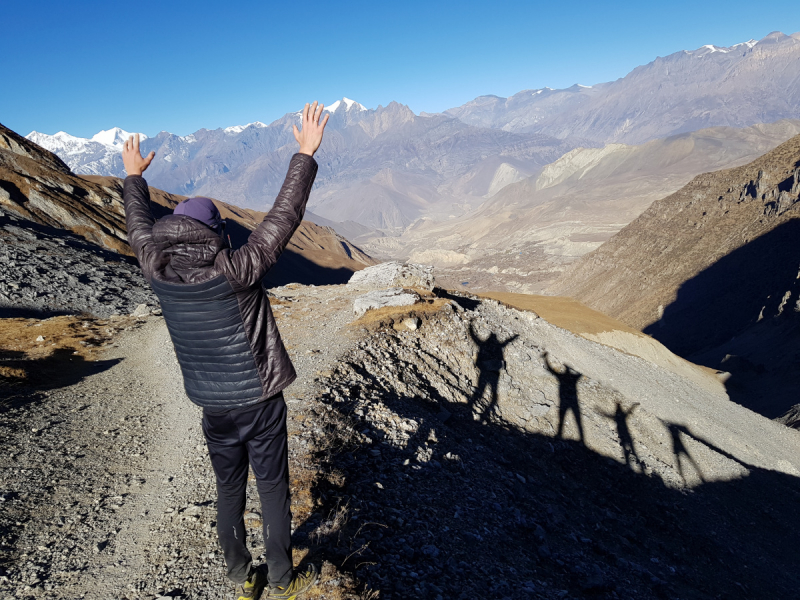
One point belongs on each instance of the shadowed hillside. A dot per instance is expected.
(487, 428)
(700, 269)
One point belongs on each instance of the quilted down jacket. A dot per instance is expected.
(215, 307)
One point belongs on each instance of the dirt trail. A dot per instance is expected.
(107, 488)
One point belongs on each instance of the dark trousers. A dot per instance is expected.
(254, 436)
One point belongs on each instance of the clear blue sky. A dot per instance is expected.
(179, 66)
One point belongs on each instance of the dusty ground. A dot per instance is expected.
(428, 462)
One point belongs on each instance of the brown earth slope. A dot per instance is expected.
(38, 186)
(711, 271)
(315, 255)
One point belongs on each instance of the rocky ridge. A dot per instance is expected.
(36, 185)
(47, 270)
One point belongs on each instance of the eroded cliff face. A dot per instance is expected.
(712, 272)
(37, 185)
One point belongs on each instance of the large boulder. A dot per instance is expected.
(394, 274)
(381, 298)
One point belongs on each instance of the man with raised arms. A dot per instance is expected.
(230, 352)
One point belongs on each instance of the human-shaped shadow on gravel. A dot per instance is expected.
(679, 450)
(490, 362)
(568, 396)
(620, 416)
(681, 453)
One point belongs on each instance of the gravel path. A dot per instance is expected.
(98, 474)
(107, 490)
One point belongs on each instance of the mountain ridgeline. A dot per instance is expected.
(751, 82)
(394, 158)
(389, 167)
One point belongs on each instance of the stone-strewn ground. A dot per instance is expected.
(52, 271)
(433, 454)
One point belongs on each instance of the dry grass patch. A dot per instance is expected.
(279, 302)
(392, 315)
(46, 352)
(563, 312)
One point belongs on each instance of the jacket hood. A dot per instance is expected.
(188, 243)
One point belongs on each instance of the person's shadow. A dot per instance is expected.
(568, 396)
(489, 362)
(620, 416)
(681, 453)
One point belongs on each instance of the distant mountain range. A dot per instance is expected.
(382, 168)
(748, 83)
(386, 168)
(526, 234)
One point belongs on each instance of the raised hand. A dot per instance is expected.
(310, 135)
(132, 157)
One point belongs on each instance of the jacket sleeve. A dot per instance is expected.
(139, 221)
(252, 261)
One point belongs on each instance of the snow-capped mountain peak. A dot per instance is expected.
(61, 141)
(114, 137)
(89, 156)
(711, 48)
(348, 103)
(241, 128)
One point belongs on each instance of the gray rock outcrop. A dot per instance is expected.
(791, 418)
(380, 298)
(393, 274)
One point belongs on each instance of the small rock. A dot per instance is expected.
(40, 338)
(412, 323)
(141, 311)
(381, 298)
(391, 274)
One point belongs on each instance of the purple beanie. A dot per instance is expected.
(201, 209)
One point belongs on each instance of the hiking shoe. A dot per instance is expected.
(252, 588)
(301, 583)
